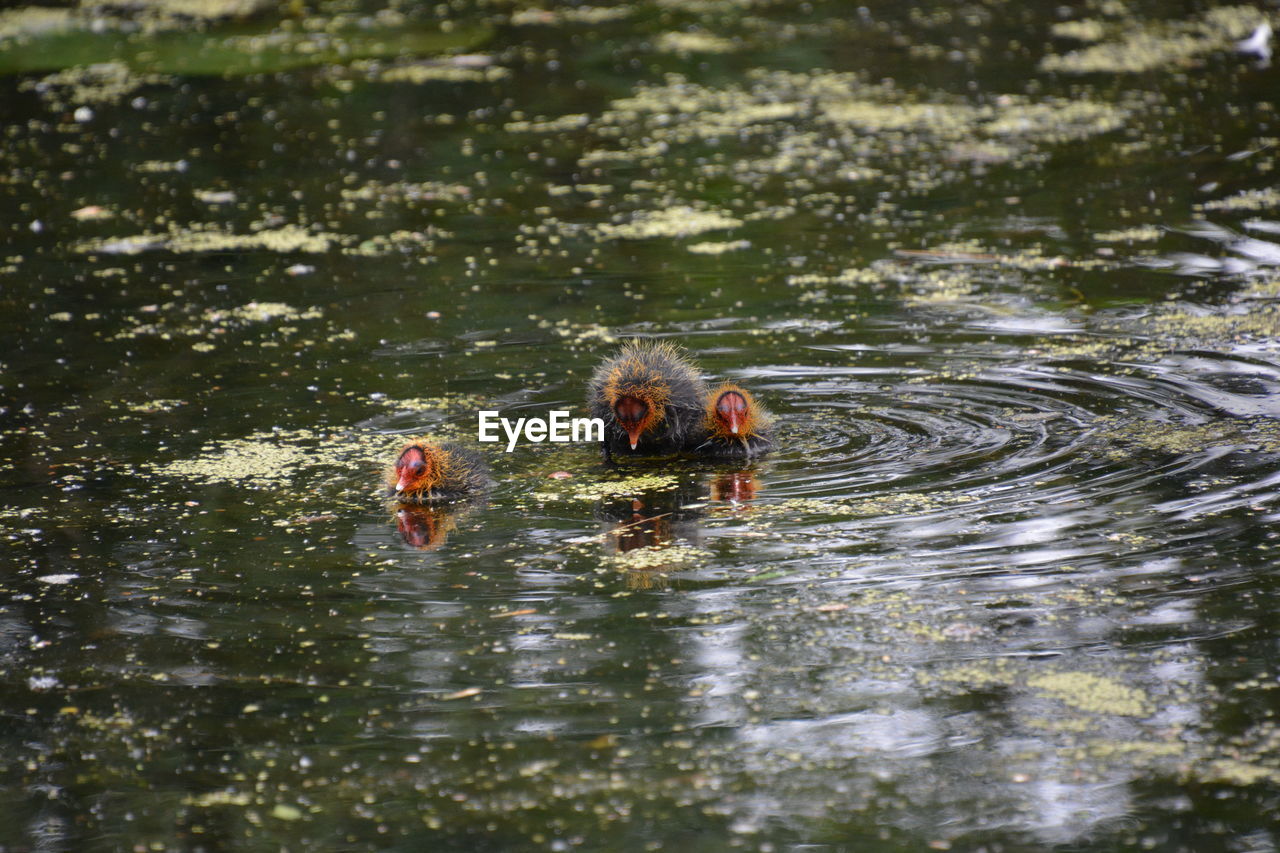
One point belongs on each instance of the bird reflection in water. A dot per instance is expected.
(641, 530)
(647, 528)
(735, 487)
(427, 527)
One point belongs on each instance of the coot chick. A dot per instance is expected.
(650, 398)
(426, 472)
(734, 426)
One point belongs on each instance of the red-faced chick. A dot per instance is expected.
(650, 398)
(426, 472)
(734, 426)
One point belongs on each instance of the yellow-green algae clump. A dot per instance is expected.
(1093, 693)
(658, 557)
(276, 459)
(1144, 46)
(214, 322)
(1248, 200)
(1255, 434)
(679, 221)
(603, 489)
(201, 237)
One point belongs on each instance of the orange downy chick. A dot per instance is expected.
(426, 472)
(736, 425)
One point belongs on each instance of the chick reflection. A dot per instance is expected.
(427, 527)
(736, 487)
(651, 534)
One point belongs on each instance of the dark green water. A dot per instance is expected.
(1007, 584)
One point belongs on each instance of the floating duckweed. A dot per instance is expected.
(219, 798)
(151, 407)
(941, 285)
(561, 124)
(603, 489)
(426, 72)
(981, 675)
(905, 503)
(213, 322)
(680, 221)
(667, 557)
(160, 166)
(1092, 693)
(35, 21)
(1057, 120)
(202, 9)
(881, 117)
(275, 459)
(402, 191)
(1141, 233)
(102, 82)
(1236, 772)
(576, 15)
(1248, 200)
(198, 238)
(850, 277)
(1260, 434)
(712, 248)
(578, 334)
(1132, 749)
(1259, 322)
(678, 42)
(1146, 47)
(255, 462)
(902, 503)
(1086, 30)
(398, 241)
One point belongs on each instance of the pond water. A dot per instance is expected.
(1006, 274)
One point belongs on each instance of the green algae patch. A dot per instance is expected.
(679, 221)
(1232, 323)
(1237, 434)
(214, 799)
(198, 238)
(720, 248)
(606, 489)
(1236, 772)
(1093, 694)
(212, 324)
(663, 558)
(401, 241)
(940, 286)
(1138, 234)
(419, 73)
(571, 15)
(1140, 46)
(880, 506)
(543, 124)
(407, 192)
(695, 42)
(1249, 200)
(99, 83)
(851, 277)
(1087, 30)
(279, 459)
